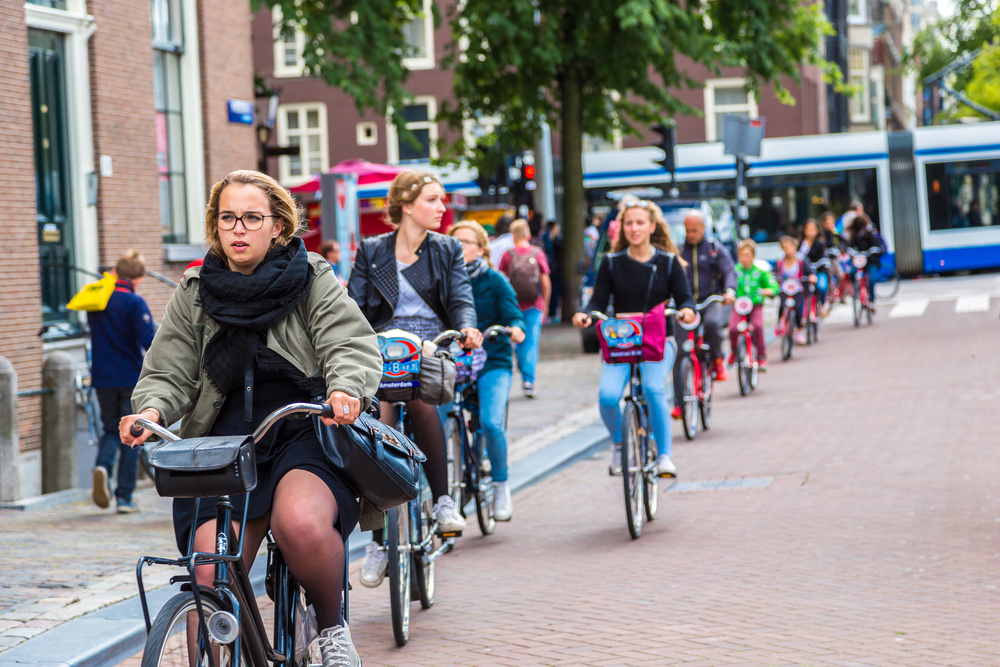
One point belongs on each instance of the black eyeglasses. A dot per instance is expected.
(251, 221)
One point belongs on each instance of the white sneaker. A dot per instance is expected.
(374, 566)
(664, 466)
(337, 648)
(502, 507)
(616, 461)
(448, 518)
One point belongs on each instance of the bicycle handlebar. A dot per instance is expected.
(863, 253)
(321, 409)
(494, 331)
(448, 336)
(821, 264)
(705, 304)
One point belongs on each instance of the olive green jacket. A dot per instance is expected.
(326, 334)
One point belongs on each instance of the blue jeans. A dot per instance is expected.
(527, 351)
(115, 404)
(655, 375)
(493, 391)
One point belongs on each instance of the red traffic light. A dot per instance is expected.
(529, 171)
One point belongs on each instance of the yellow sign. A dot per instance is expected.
(487, 216)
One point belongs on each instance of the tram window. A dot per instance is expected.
(962, 195)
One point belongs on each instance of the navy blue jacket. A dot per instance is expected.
(709, 268)
(120, 334)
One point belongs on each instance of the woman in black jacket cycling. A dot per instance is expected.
(414, 279)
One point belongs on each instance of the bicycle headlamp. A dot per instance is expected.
(687, 345)
(741, 327)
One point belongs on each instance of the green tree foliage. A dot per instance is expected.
(594, 66)
(973, 25)
(354, 45)
(984, 86)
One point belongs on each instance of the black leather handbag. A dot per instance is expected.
(205, 467)
(378, 462)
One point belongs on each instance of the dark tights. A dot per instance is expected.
(428, 434)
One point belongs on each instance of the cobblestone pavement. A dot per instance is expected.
(61, 563)
(875, 543)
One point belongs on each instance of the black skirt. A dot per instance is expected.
(291, 444)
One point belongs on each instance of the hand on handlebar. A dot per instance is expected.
(581, 320)
(688, 316)
(767, 291)
(473, 338)
(812, 279)
(516, 334)
(346, 409)
(127, 423)
(728, 299)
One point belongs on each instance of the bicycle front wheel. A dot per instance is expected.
(745, 365)
(423, 573)
(632, 463)
(705, 404)
(397, 531)
(175, 641)
(651, 491)
(689, 410)
(480, 476)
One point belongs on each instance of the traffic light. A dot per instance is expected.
(668, 139)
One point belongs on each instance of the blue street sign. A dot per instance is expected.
(241, 112)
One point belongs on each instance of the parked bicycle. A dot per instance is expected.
(476, 473)
(413, 540)
(748, 369)
(696, 375)
(861, 284)
(222, 626)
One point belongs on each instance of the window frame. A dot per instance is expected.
(360, 130)
(392, 137)
(281, 70)
(427, 61)
(863, 77)
(861, 18)
(751, 107)
(284, 161)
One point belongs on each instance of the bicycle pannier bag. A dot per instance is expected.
(204, 467)
(437, 379)
(378, 462)
(525, 274)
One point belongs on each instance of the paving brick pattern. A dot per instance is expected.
(876, 544)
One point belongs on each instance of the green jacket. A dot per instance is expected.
(749, 282)
(326, 334)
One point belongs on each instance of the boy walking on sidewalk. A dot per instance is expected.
(120, 335)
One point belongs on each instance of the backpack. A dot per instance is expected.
(525, 274)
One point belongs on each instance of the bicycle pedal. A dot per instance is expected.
(450, 535)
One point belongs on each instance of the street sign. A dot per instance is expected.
(742, 135)
(240, 111)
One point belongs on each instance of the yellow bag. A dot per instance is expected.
(94, 296)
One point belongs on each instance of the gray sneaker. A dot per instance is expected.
(337, 648)
(529, 390)
(127, 506)
(615, 468)
(502, 507)
(101, 492)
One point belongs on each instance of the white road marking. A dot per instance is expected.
(909, 308)
(977, 303)
(840, 314)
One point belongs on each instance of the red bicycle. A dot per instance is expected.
(696, 375)
(839, 287)
(748, 370)
(789, 317)
(861, 283)
(813, 315)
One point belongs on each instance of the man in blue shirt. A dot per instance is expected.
(120, 335)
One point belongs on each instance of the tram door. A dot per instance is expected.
(54, 217)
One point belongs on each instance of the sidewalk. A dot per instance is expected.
(62, 563)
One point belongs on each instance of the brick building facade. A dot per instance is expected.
(124, 134)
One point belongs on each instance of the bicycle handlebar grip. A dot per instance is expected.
(136, 430)
(327, 411)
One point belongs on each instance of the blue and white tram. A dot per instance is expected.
(932, 192)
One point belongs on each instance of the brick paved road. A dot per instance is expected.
(876, 544)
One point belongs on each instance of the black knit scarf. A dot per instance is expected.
(246, 307)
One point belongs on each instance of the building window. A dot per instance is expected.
(302, 125)
(168, 47)
(857, 71)
(289, 45)
(726, 97)
(419, 118)
(367, 134)
(419, 34)
(54, 4)
(857, 11)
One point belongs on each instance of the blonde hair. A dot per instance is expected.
(660, 237)
(747, 244)
(405, 189)
(519, 229)
(281, 202)
(131, 265)
(482, 238)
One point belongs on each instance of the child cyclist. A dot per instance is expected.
(642, 272)
(793, 267)
(496, 303)
(754, 283)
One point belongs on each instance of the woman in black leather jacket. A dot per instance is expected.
(414, 279)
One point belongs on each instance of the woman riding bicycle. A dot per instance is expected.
(755, 284)
(812, 246)
(414, 279)
(642, 272)
(496, 303)
(792, 267)
(864, 237)
(261, 324)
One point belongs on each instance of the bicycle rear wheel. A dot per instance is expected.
(174, 639)
(632, 462)
(857, 303)
(745, 366)
(788, 339)
(651, 490)
(397, 530)
(423, 573)
(480, 477)
(705, 404)
(689, 410)
(890, 287)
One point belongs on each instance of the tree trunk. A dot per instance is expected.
(574, 203)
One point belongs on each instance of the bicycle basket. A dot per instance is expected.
(205, 467)
(401, 357)
(469, 364)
